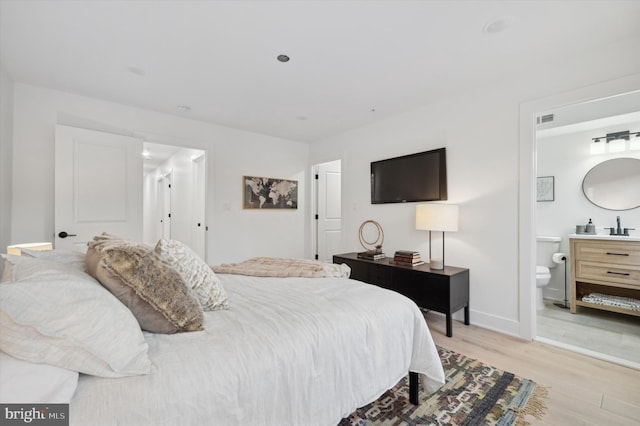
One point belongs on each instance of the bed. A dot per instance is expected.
(285, 351)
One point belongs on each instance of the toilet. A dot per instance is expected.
(545, 248)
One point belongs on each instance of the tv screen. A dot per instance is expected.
(415, 177)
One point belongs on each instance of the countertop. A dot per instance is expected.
(605, 237)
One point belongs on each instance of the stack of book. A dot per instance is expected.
(407, 257)
(371, 255)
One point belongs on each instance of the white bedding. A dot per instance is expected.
(293, 351)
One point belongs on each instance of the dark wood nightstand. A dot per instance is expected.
(445, 290)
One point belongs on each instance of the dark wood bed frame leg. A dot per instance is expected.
(413, 388)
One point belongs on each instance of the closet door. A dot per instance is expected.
(98, 186)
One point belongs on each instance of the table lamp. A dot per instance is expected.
(437, 217)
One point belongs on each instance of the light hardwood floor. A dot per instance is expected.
(582, 390)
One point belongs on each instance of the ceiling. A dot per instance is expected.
(351, 62)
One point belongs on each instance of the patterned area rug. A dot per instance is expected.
(474, 394)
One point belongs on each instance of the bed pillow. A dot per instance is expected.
(72, 258)
(17, 268)
(6, 274)
(155, 293)
(195, 272)
(26, 382)
(57, 315)
(106, 236)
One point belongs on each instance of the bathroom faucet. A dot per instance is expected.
(618, 229)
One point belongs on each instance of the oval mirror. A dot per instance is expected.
(614, 184)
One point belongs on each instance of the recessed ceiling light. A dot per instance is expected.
(283, 58)
(184, 108)
(497, 25)
(136, 70)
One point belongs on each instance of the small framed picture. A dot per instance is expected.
(545, 188)
(269, 193)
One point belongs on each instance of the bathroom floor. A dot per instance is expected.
(607, 333)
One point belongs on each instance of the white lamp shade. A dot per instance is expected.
(437, 217)
(617, 145)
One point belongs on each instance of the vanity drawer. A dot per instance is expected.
(622, 274)
(617, 252)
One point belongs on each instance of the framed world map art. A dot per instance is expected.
(269, 193)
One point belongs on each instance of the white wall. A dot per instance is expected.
(6, 155)
(234, 234)
(568, 158)
(480, 129)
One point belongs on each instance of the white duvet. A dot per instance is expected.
(292, 351)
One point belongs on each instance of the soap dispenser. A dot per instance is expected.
(590, 228)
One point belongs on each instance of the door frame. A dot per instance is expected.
(199, 176)
(527, 184)
(167, 202)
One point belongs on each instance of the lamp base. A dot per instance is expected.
(436, 264)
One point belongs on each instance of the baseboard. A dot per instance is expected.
(490, 322)
(495, 323)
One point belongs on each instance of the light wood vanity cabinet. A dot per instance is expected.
(610, 267)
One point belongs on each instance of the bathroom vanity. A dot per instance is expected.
(607, 265)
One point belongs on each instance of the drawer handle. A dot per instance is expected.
(618, 273)
(618, 254)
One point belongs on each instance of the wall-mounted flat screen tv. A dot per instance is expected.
(415, 177)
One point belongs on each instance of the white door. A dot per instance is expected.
(198, 225)
(98, 186)
(329, 204)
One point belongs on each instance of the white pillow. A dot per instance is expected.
(17, 268)
(23, 382)
(5, 273)
(195, 272)
(57, 315)
(71, 258)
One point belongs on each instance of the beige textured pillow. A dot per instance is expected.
(96, 247)
(155, 293)
(196, 273)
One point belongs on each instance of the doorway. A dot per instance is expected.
(566, 151)
(599, 98)
(327, 210)
(175, 195)
(124, 186)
